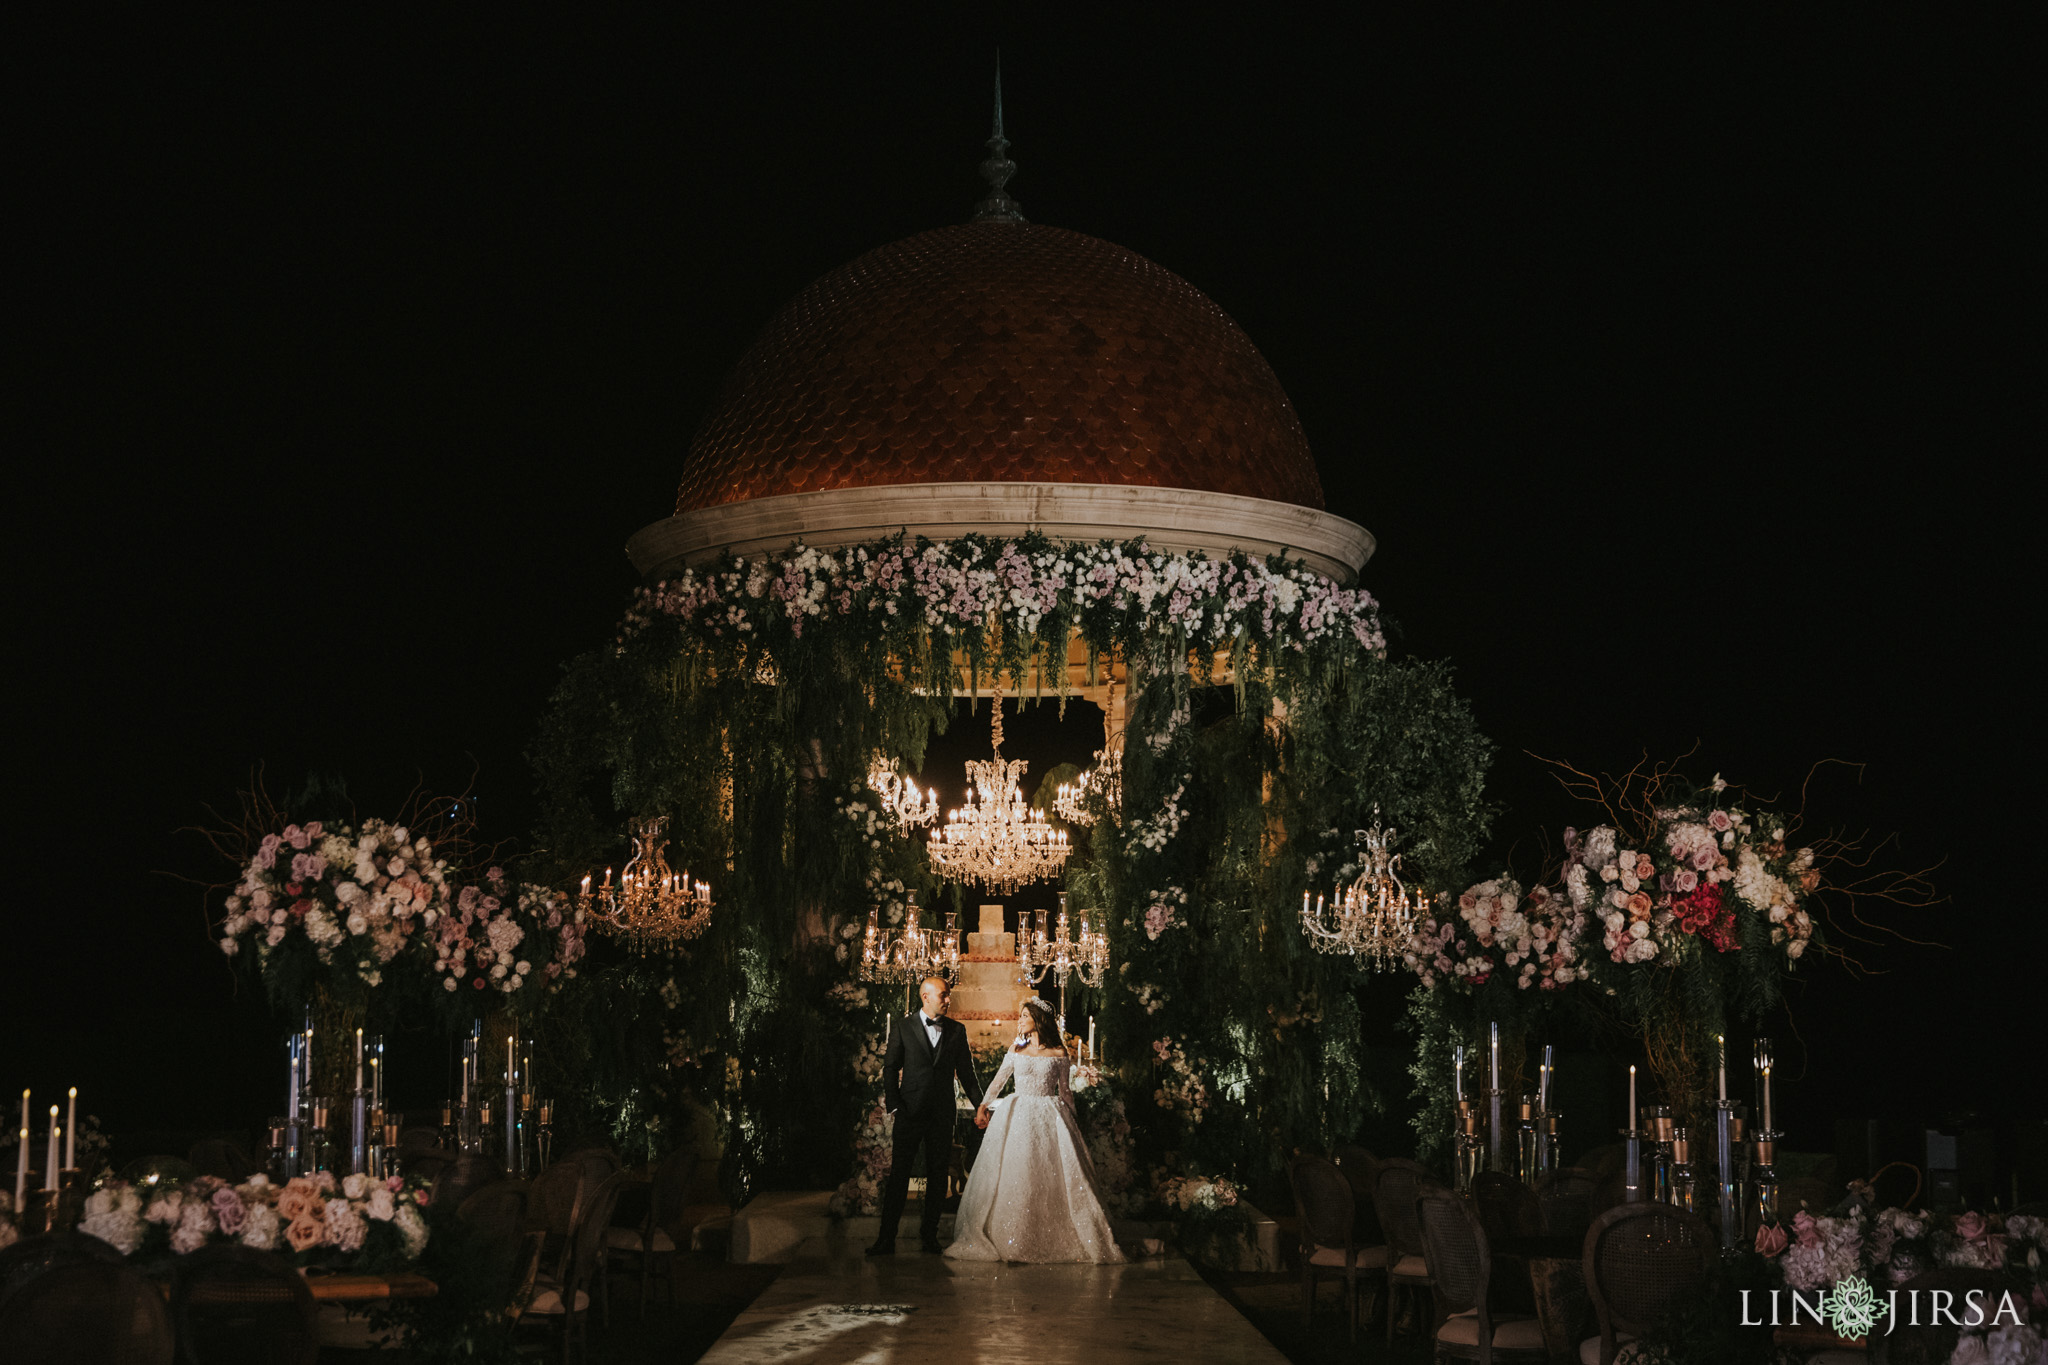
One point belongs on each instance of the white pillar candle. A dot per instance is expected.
(1767, 1099)
(1458, 1072)
(1493, 1068)
(1631, 1099)
(50, 1164)
(71, 1132)
(1721, 1049)
(1091, 1037)
(21, 1156)
(359, 1060)
(508, 1063)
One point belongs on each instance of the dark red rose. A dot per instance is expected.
(478, 983)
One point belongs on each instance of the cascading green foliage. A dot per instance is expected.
(1266, 807)
(746, 702)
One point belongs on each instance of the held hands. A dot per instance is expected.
(981, 1117)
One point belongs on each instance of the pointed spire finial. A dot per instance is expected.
(998, 207)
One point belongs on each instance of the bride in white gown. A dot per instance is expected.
(1031, 1195)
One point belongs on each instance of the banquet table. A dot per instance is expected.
(351, 1288)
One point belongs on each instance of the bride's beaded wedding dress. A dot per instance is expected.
(1031, 1194)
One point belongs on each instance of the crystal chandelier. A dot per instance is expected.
(901, 800)
(912, 953)
(651, 904)
(1373, 918)
(1086, 957)
(1101, 785)
(996, 839)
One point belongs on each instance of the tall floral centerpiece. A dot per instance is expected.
(1693, 915)
(333, 907)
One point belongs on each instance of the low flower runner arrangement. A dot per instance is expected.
(348, 1223)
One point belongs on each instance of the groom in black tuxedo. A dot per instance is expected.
(926, 1052)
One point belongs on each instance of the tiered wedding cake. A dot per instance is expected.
(990, 984)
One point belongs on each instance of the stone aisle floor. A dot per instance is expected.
(832, 1306)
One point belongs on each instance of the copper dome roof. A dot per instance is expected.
(1004, 352)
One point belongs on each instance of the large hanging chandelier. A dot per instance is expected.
(1373, 918)
(901, 800)
(912, 953)
(1101, 787)
(651, 905)
(996, 839)
(1086, 957)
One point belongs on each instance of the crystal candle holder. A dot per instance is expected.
(321, 1154)
(1684, 1180)
(1764, 1180)
(1632, 1165)
(1525, 1141)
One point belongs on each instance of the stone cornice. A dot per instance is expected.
(1177, 519)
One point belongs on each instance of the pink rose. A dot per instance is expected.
(314, 830)
(1645, 869)
(228, 1210)
(1970, 1226)
(1771, 1240)
(305, 1232)
(296, 837)
(1803, 1225)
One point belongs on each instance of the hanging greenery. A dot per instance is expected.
(747, 701)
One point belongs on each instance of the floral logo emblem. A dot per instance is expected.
(1852, 1308)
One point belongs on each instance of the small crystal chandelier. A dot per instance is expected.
(912, 953)
(1102, 785)
(1086, 958)
(1373, 918)
(996, 839)
(651, 904)
(901, 800)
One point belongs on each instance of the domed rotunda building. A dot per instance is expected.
(999, 377)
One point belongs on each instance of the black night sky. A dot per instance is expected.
(1688, 373)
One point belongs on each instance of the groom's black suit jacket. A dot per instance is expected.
(917, 1080)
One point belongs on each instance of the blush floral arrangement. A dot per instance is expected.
(340, 900)
(861, 1193)
(1710, 877)
(1497, 931)
(351, 1221)
(361, 909)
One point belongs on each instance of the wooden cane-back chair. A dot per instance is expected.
(1461, 1263)
(1329, 1235)
(1642, 1260)
(87, 1313)
(1507, 1208)
(1400, 1184)
(234, 1302)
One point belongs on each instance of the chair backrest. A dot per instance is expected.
(1564, 1201)
(221, 1158)
(235, 1303)
(87, 1313)
(464, 1176)
(31, 1257)
(1322, 1196)
(551, 1198)
(1455, 1247)
(1640, 1261)
(1394, 1195)
(1507, 1208)
(497, 1211)
(1359, 1166)
(587, 1243)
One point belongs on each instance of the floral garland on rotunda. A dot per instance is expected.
(748, 700)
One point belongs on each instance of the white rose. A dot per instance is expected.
(449, 984)
(1795, 947)
(497, 970)
(523, 968)
(230, 946)
(355, 1186)
(1639, 930)
(381, 1206)
(357, 924)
